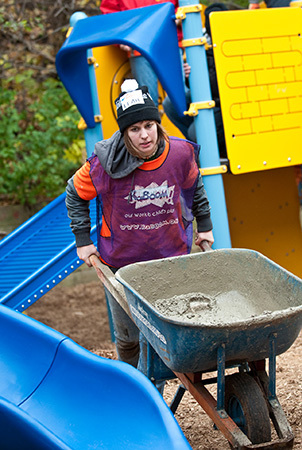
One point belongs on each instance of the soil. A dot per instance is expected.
(80, 312)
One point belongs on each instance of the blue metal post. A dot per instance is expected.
(92, 135)
(205, 125)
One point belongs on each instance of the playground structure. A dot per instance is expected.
(251, 207)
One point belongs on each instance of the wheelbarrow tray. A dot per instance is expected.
(253, 299)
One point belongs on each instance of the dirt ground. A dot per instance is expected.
(80, 312)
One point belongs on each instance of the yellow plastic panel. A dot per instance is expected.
(110, 68)
(263, 211)
(295, 104)
(258, 56)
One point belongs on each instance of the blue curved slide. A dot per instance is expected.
(38, 255)
(56, 395)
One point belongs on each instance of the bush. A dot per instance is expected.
(40, 143)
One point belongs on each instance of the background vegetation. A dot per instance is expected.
(40, 144)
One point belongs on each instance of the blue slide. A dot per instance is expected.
(54, 394)
(38, 255)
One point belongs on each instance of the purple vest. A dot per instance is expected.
(147, 214)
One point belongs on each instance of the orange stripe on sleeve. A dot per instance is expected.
(83, 183)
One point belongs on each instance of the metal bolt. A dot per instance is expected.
(264, 163)
(289, 158)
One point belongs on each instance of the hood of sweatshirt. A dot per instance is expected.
(115, 158)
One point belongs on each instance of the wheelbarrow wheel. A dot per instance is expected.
(246, 405)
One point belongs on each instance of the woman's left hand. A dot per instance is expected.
(187, 69)
(204, 236)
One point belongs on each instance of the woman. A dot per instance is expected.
(149, 187)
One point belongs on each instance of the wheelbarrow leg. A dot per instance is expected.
(221, 380)
(177, 398)
(268, 384)
(277, 414)
(272, 368)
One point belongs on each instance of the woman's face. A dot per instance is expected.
(143, 136)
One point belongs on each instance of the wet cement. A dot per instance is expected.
(218, 287)
(225, 307)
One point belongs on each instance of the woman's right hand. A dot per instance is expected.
(126, 48)
(85, 252)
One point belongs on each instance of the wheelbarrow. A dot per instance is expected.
(208, 312)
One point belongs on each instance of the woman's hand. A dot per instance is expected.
(126, 48)
(85, 252)
(187, 69)
(204, 236)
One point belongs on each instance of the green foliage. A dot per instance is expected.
(40, 144)
(231, 4)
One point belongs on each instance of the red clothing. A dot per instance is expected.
(112, 6)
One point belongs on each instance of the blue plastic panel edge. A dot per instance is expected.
(127, 27)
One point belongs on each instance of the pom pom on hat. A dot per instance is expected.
(129, 85)
(134, 105)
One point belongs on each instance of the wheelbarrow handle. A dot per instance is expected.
(107, 277)
(205, 246)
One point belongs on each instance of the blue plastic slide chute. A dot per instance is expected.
(38, 255)
(56, 395)
(150, 30)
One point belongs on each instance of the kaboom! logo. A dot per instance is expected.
(152, 194)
